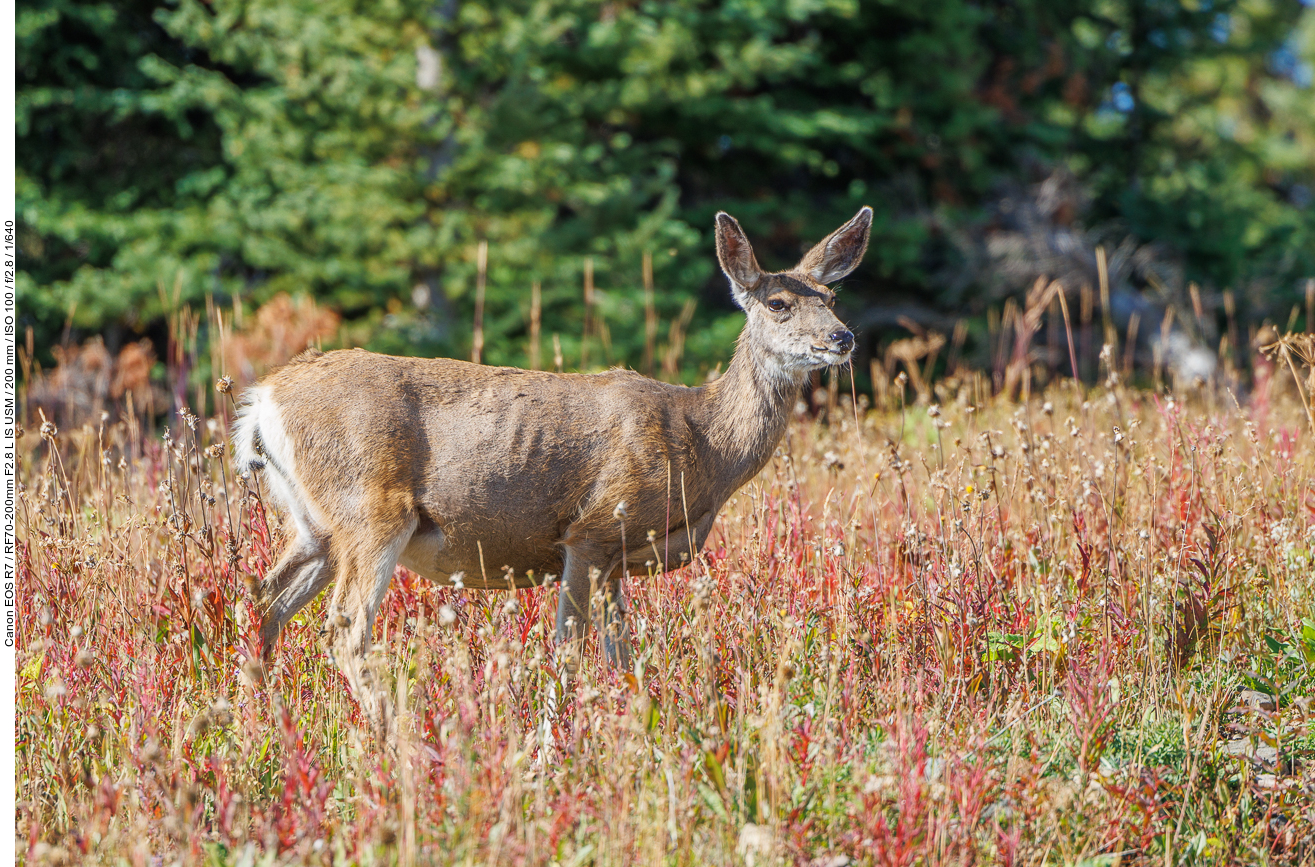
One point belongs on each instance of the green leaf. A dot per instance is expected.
(1004, 646)
(1112, 859)
(713, 766)
(1260, 683)
(31, 670)
(1046, 642)
(714, 801)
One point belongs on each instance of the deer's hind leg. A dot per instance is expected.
(297, 578)
(364, 565)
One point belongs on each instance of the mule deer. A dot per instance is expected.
(508, 476)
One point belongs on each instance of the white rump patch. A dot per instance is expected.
(244, 431)
(260, 421)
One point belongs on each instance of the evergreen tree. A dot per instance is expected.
(240, 149)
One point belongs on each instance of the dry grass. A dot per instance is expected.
(1005, 633)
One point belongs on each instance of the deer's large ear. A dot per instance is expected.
(736, 257)
(841, 251)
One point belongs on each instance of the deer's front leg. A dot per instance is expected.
(612, 623)
(580, 580)
(573, 606)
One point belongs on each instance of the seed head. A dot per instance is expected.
(199, 725)
(703, 588)
(56, 690)
(151, 753)
(224, 385)
(252, 672)
(221, 713)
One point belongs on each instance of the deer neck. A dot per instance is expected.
(746, 412)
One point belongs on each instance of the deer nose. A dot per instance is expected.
(844, 340)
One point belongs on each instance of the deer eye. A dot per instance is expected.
(776, 305)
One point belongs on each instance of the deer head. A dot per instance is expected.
(791, 328)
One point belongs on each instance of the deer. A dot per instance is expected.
(496, 477)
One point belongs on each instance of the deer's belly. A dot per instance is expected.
(483, 562)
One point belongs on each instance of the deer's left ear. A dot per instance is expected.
(840, 252)
(737, 259)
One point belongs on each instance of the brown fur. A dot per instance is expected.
(452, 467)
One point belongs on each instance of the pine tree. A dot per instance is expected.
(170, 152)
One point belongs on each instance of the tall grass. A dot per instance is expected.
(1073, 629)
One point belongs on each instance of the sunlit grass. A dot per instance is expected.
(998, 633)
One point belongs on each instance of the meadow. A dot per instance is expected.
(1070, 628)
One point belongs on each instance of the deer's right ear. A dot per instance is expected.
(840, 252)
(736, 257)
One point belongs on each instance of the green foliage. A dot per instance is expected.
(1215, 156)
(239, 149)
(1285, 672)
